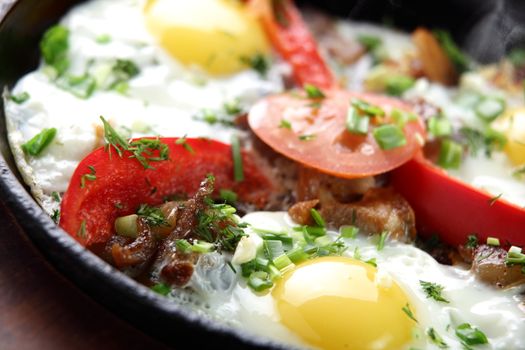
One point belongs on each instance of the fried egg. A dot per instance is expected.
(345, 303)
(174, 84)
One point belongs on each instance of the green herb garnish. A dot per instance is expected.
(183, 141)
(433, 290)
(103, 39)
(20, 98)
(54, 47)
(472, 241)
(39, 142)
(355, 123)
(153, 215)
(389, 136)
(470, 335)
(91, 176)
(258, 63)
(307, 137)
(382, 240)
(457, 57)
(406, 309)
(285, 124)
(450, 154)
(161, 288)
(313, 92)
(238, 172)
(436, 338)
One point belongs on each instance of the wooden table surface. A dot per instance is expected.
(40, 309)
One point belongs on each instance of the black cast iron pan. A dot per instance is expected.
(486, 29)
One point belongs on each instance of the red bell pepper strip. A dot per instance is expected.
(453, 209)
(293, 41)
(118, 185)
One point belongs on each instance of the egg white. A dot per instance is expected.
(161, 100)
(495, 312)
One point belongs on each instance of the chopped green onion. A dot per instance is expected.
(297, 255)
(238, 172)
(349, 231)
(382, 239)
(323, 241)
(54, 47)
(259, 281)
(370, 42)
(317, 218)
(453, 52)
(372, 262)
(39, 142)
(20, 98)
(307, 137)
(313, 91)
(183, 246)
(103, 39)
(202, 247)
(402, 117)
(81, 86)
(396, 85)
(282, 262)
(161, 288)
(273, 248)
(285, 124)
(315, 230)
(493, 241)
(490, 108)
(287, 241)
(389, 136)
(450, 154)
(355, 123)
(470, 335)
(368, 108)
(263, 231)
(439, 126)
(127, 226)
(228, 196)
(514, 250)
(274, 272)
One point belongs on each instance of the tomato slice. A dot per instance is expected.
(291, 38)
(88, 213)
(317, 136)
(453, 209)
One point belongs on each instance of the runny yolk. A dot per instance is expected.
(336, 303)
(220, 36)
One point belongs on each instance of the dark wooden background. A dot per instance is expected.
(40, 309)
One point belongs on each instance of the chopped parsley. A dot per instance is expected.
(225, 116)
(436, 338)
(258, 63)
(91, 176)
(142, 150)
(39, 142)
(121, 72)
(55, 216)
(153, 215)
(56, 196)
(20, 98)
(433, 290)
(182, 141)
(472, 241)
(81, 233)
(370, 42)
(406, 309)
(494, 199)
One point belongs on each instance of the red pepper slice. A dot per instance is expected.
(88, 213)
(290, 36)
(453, 209)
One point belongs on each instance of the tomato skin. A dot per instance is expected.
(122, 184)
(453, 209)
(333, 150)
(295, 44)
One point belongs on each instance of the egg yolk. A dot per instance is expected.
(220, 36)
(336, 303)
(512, 124)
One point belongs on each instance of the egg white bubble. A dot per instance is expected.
(493, 311)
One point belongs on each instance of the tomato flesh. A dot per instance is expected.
(317, 136)
(88, 213)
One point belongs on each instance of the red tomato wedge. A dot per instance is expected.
(453, 209)
(291, 38)
(317, 136)
(88, 213)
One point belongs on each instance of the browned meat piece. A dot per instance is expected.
(435, 63)
(489, 266)
(300, 212)
(137, 252)
(380, 209)
(178, 271)
(312, 184)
